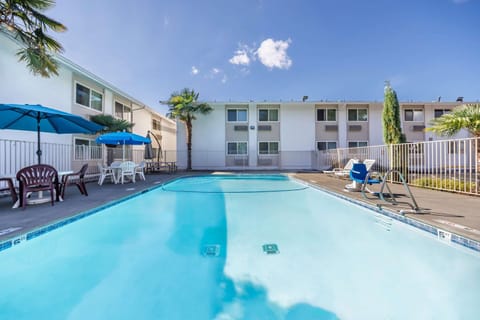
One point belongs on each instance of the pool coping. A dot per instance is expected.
(442, 235)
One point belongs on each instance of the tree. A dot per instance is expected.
(26, 22)
(112, 124)
(183, 106)
(392, 130)
(466, 116)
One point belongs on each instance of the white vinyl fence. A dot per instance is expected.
(450, 165)
(16, 154)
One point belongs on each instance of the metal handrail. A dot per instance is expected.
(414, 205)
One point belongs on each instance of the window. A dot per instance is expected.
(156, 124)
(414, 115)
(123, 112)
(237, 115)
(325, 145)
(86, 149)
(326, 114)
(357, 115)
(357, 144)
(234, 148)
(88, 97)
(440, 112)
(267, 114)
(456, 146)
(268, 147)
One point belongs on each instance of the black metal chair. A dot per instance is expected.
(10, 188)
(77, 178)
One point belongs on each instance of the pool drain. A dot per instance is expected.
(270, 248)
(211, 250)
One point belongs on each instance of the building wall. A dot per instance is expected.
(18, 85)
(297, 132)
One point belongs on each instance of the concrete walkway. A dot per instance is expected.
(21, 221)
(449, 211)
(452, 212)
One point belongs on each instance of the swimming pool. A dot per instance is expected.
(238, 247)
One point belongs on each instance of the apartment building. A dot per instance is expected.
(268, 135)
(78, 91)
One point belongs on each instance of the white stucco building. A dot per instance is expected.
(285, 135)
(77, 91)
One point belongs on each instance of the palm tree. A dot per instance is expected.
(183, 106)
(112, 124)
(466, 116)
(26, 22)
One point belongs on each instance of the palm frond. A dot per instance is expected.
(463, 117)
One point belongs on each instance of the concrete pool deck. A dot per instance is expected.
(452, 212)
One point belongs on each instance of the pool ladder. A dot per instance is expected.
(414, 207)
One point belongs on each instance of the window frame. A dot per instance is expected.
(75, 83)
(358, 142)
(268, 147)
(156, 124)
(236, 115)
(413, 115)
(444, 111)
(325, 110)
(326, 144)
(115, 101)
(227, 150)
(91, 143)
(357, 118)
(268, 114)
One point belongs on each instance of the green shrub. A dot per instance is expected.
(449, 184)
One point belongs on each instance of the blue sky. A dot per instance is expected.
(276, 49)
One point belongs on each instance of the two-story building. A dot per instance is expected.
(272, 135)
(78, 91)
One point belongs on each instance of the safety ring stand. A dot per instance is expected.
(414, 207)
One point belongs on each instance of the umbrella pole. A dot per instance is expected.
(39, 150)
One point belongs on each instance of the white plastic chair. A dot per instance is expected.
(104, 173)
(140, 170)
(342, 172)
(127, 169)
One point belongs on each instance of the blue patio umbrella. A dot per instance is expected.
(43, 119)
(122, 138)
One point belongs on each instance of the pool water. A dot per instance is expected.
(194, 249)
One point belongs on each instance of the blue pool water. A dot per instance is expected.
(193, 249)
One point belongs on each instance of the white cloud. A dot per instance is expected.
(240, 58)
(224, 79)
(216, 71)
(195, 71)
(273, 54)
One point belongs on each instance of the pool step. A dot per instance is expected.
(384, 221)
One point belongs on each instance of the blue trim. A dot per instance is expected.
(455, 238)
